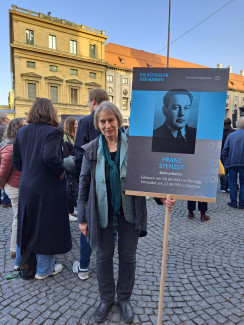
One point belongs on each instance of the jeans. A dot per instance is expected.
(13, 193)
(17, 260)
(6, 199)
(233, 173)
(127, 245)
(45, 263)
(85, 252)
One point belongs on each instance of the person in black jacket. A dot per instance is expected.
(224, 183)
(227, 130)
(86, 132)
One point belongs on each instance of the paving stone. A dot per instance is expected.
(204, 281)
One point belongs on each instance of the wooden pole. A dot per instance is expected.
(163, 266)
(168, 34)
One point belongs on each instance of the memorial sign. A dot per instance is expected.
(176, 128)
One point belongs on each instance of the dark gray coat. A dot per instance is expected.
(43, 218)
(87, 201)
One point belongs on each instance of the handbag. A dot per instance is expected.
(221, 169)
(28, 265)
(69, 164)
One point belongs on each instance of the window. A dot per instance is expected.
(228, 96)
(125, 103)
(52, 42)
(122, 60)
(74, 96)
(53, 68)
(30, 64)
(110, 78)
(92, 75)
(73, 47)
(111, 98)
(110, 90)
(125, 80)
(236, 97)
(92, 50)
(54, 94)
(31, 91)
(74, 72)
(227, 105)
(29, 36)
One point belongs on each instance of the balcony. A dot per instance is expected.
(57, 20)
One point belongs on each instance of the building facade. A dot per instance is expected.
(119, 88)
(64, 61)
(56, 59)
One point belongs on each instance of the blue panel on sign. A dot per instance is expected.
(211, 116)
(142, 112)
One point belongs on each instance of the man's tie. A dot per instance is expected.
(181, 140)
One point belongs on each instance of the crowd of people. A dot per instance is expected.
(43, 164)
(52, 173)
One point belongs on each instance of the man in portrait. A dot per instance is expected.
(175, 135)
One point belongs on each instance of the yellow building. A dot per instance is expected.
(56, 59)
(11, 99)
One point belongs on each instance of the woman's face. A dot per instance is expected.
(108, 124)
(76, 126)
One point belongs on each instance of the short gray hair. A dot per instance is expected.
(2, 115)
(109, 107)
(240, 122)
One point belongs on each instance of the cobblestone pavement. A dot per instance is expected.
(204, 275)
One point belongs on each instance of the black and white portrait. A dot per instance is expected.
(175, 122)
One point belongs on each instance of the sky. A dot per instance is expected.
(143, 25)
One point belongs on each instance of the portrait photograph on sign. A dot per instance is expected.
(176, 127)
(175, 122)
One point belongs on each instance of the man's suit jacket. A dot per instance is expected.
(164, 141)
(86, 132)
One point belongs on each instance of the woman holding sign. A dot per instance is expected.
(103, 208)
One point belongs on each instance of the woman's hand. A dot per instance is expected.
(83, 228)
(168, 203)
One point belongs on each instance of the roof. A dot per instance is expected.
(127, 58)
(137, 58)
(236, 82)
